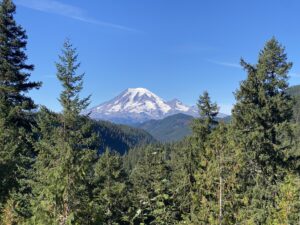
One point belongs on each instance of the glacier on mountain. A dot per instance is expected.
(137, 105)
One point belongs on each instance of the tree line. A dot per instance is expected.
(243, 172)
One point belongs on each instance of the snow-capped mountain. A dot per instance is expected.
(175, 104)
(137, 105)
(179, 107)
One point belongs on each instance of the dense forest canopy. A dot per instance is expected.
(120, 138)
(245, 171)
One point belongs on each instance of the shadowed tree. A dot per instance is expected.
(16, 152)
(261, 117)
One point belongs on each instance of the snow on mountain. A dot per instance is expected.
(134, 100)
(137, 105)
(177, 105)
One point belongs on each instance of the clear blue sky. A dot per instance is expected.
(175, 48)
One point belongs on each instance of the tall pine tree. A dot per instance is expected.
(202, 128)
(16, 152)
(189, 161)
(260, 118)
(66, 150)
(216, 182)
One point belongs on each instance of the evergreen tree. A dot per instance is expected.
(208, 112)
(183, 166)
(185, 161)
(153, 200)
(66, 150)
(16, 152)
(246, 172)
(14, 70)
(260, 118)
(216, 180)
(111, 188)
(202, 128)
(214, 161)
(287, 202)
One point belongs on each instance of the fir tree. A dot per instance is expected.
(260, 118)
(208, 112)
(65, 153)
(14, 71)
(153, 200)
(202, 127)
(216, 180)
(111, 187)
(185, 161)
(16, 152)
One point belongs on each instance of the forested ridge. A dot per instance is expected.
(172, 128)
(120, 138)
(242, 172)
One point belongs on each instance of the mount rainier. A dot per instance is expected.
(137, 105)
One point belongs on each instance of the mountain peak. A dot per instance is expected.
(177, 105)
(136, 105)
(138, 92)
(132, 105)
(139, 89)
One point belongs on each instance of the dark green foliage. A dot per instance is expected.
(187, 161)
(111, 200)
(216, 182)
(171, 128)
(72, 83)
(14, 71)
(67, 148)
(120, 138)
(208, 111)
(294, 91)
(261, 118)
(16, 152)
(207, 121)
(184, 164)
(243, 172)
(152, 198)
(202, 128)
